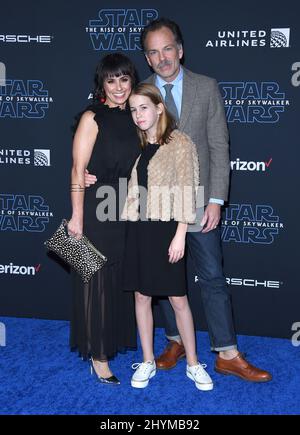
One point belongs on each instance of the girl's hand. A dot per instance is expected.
(75, 228)
(176, 249)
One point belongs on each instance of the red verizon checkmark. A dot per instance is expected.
(37, 268)
(269, 162)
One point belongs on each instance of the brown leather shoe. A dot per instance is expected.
(170, 356)
(238, 366)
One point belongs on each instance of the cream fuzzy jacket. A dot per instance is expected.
(173, 178)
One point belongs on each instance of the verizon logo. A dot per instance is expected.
(243, 165)
(13, 269)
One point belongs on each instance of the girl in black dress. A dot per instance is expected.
(106, 143)
(154, 258)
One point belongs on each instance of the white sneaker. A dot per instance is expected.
(143, 372)
(201, 378)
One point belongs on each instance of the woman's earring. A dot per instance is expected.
(102, 96)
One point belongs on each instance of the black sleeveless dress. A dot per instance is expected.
(103, 316)
(146, 263)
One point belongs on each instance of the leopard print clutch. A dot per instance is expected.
(80, 254)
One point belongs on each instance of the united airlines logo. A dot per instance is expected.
(248, 223)
(119, 29)
(19, 213)
(24, 157)
(24, 99)
(254, 38)
(253, 102)
(41, 157)
(280, 38)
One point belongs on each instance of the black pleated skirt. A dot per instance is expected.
(102, 322)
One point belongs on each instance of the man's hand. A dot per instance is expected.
(89, 179)
(211, 217)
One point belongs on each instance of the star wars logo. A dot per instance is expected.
(247, 223)
(253, 102)
(119, 29)
(24, 99)
(23, 213)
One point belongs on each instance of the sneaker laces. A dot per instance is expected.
(200, 367)
(141, 366)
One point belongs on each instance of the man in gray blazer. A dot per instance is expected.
(196, 103)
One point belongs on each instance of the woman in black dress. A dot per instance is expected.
(154, 263)
(106, 143)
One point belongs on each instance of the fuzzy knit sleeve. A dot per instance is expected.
(187, 179)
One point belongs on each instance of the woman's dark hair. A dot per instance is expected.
(113, 65)
(157, 25)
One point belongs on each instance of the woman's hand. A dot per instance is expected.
(89, 179)
(176, 248)
(75, 228)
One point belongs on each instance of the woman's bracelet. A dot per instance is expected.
(76, 188)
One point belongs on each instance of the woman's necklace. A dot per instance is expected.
(152, 140)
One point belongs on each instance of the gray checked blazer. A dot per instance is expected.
(203, 119)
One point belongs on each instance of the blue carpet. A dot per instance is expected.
(39, 375)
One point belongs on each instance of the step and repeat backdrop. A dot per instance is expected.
(48, 54)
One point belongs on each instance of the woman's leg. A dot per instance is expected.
(185, 324)
(102, 368)
(144, 320)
